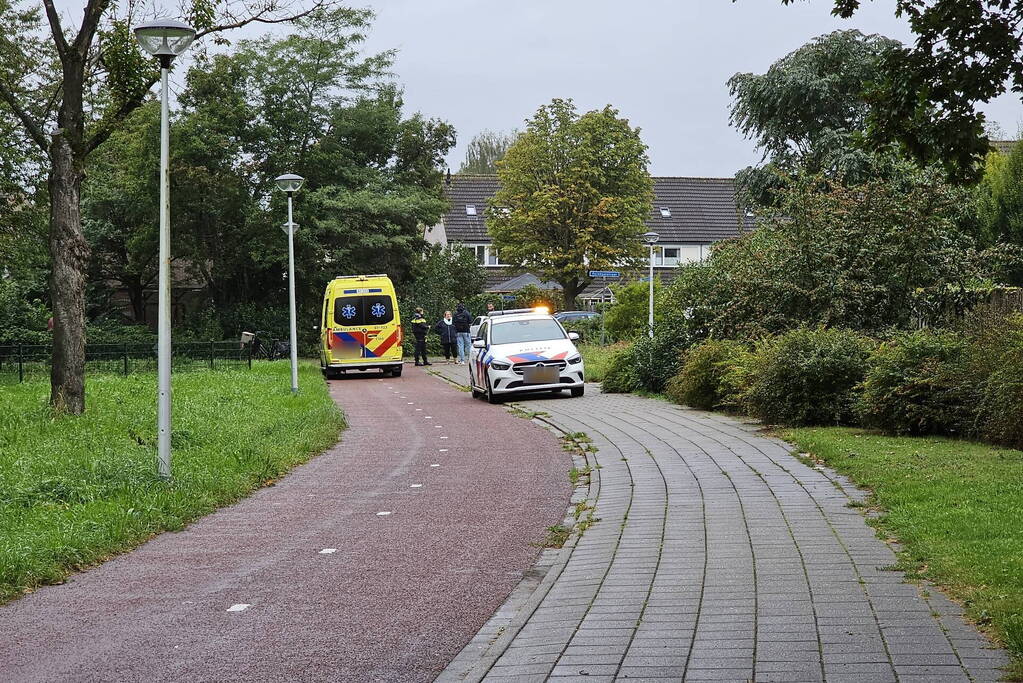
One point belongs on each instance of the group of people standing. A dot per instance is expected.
(454, 335)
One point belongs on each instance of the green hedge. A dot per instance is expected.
(919, 383)
(808, 377)
(701, 383)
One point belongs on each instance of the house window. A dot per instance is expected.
(486, 254)
(665, 212)
(670, 256)
(691, 254)
(470, 209)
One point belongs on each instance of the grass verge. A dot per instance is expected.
(955, 506)
(76, 490)
(597, 359)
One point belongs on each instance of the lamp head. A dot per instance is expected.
(289, 182)
(165, 38)
(651, 237)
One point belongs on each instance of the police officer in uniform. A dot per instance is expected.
(420, 328)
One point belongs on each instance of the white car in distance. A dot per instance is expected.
(524, 350)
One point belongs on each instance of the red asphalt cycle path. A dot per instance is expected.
(402, 594)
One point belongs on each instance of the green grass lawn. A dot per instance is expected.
(76, 490)
(956, 506)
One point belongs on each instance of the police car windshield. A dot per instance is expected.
(520, 331)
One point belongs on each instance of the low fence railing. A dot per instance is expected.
(20, 362)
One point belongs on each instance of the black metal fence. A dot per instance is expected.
(21, 362)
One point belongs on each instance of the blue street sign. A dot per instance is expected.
(508, 297)
(605, 273)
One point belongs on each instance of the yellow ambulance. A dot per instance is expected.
(361, 326)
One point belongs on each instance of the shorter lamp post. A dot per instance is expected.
(290, 183)
(651, 239)
(165, 39)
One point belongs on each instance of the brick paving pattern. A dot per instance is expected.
(718, 556)
(335, 591)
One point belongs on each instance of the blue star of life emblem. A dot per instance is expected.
(378, 310)
(348, 311)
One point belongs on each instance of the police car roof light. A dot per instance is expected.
(511, 311)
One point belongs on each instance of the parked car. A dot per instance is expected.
(522, 351)
(566, 316)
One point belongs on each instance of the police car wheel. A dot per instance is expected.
(491, 397)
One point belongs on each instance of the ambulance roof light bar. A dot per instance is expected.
(359, 277)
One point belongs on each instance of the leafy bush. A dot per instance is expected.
(22, 320)
(699, 383)
(628, 316)
(657, 360)
(620, 376)
(918, 383)
(808, 377)
(999, 350)
(868, 257)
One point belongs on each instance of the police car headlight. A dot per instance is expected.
(576, 359)
(498, 365)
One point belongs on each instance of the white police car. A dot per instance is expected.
(524, 350)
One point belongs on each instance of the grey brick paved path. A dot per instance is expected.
(718, 556)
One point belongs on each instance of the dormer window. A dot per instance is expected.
(470, 209)
(665, 212)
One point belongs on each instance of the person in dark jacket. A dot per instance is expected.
(462, 321)
(446, 329)
(420, 328)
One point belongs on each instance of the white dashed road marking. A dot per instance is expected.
(328, 551)
(240, 607)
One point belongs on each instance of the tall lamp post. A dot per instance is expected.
(651, 239)
(290, 183)
(165, 39)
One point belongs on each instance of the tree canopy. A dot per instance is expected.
(869, 257)
(307, 103)
(574, 194)
(808, 112)
(485, 150)
(964, 53)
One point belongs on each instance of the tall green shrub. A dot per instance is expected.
(621, 377)
(919, 383)
(808, 377)
(699, 384)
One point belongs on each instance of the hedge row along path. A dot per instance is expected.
(718, 556)
(307, 580)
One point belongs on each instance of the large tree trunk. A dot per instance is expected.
(69, 253)
(570, 289)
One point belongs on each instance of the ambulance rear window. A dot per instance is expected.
(363, 310)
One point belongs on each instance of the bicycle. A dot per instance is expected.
(275, 349)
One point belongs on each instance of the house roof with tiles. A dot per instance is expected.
(684, 210)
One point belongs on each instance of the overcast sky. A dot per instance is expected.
(488, 64)
(663, 63)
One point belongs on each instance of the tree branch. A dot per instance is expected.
(55, 28)
(94, 11)
(34, 130)
(258, 18)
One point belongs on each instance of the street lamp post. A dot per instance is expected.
(651, 239)
(290, 183)
(165, 39)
